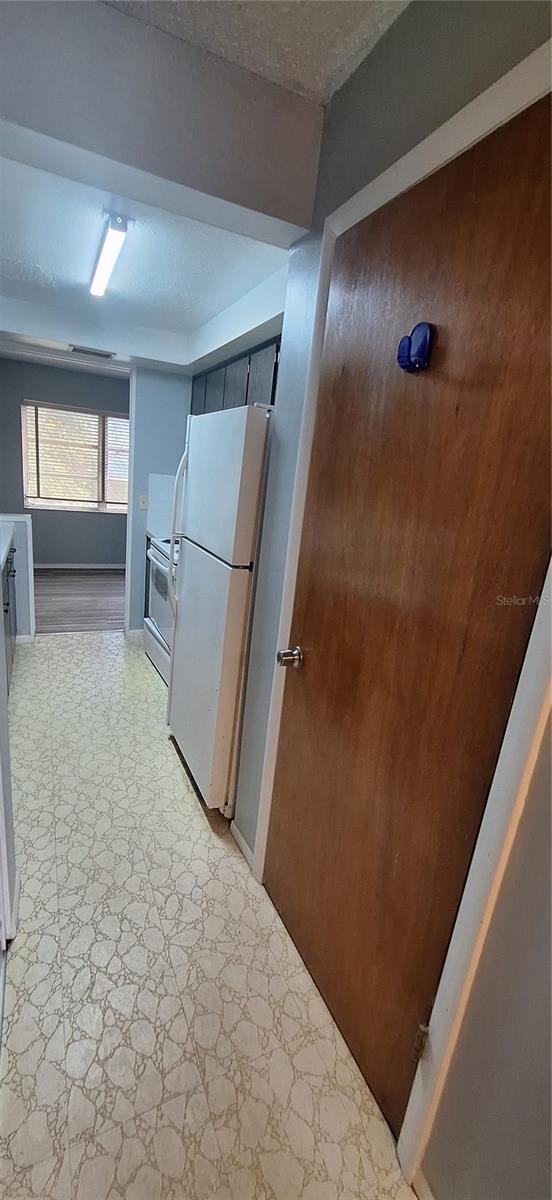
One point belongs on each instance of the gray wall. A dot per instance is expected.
(430, 63)
(161, 406)
(58, 537)
(491, 1138)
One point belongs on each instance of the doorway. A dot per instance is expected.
(427, 504)
(68, 432)
(68, 601)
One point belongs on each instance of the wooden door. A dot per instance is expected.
(427, 511)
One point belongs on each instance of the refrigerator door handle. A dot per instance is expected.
(170, 576)
(178, 477)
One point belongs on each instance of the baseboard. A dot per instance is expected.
(239, 838)
(23, 638)
(421, 1187)
(79, 566)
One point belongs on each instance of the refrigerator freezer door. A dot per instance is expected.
(206, 667)
(222, 484)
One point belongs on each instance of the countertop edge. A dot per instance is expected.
(7, 532)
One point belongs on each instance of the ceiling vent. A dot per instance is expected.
(92, 353)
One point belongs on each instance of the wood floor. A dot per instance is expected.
(67, 601)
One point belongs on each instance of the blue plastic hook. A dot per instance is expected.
(414, 349)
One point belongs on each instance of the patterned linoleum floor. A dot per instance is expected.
(162, 1039)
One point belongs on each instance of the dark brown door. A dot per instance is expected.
(427, 511)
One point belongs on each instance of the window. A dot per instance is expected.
(74, 459)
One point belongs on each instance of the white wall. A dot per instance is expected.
(255, 317)
(285, 426)
(235, 326)
(88, 75)
(53, 323)
(159, 406)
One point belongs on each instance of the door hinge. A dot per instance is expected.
(419, 1042)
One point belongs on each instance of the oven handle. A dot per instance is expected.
(157, 562)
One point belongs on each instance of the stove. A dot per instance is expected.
(158, 615)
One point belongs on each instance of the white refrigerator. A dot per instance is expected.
(216, 520)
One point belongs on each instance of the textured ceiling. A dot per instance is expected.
(307, 46)
(174, 274)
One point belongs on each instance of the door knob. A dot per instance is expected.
(292, 657)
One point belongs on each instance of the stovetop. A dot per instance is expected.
(162, 547)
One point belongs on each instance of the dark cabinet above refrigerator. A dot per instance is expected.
(235, 383)
(249, 379)
(214, 390)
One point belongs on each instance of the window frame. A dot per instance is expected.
(57, 503)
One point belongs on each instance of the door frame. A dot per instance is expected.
(515, 91)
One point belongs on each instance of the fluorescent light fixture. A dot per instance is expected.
(112, 243)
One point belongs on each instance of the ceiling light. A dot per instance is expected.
(112, 243)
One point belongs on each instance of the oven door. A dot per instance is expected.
(159, 609)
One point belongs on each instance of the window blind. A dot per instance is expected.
(74, 459)
(116, 460)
